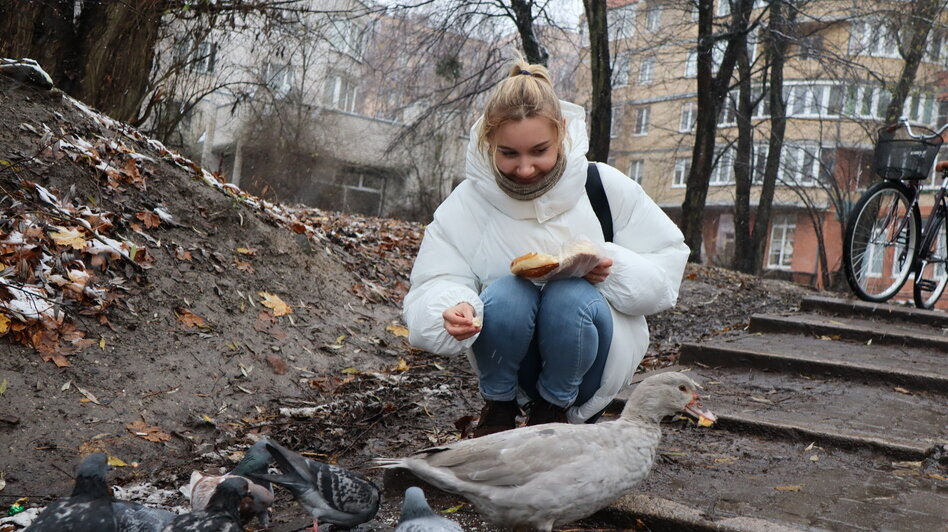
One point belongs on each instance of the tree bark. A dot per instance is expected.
(743, 172)
(712, 88)
(601, 113)
(777, 31)
(523, 18)
(919, 27)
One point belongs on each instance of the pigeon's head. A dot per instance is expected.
(256, 460)
(667, 393)
(91, 476)
(415, 505)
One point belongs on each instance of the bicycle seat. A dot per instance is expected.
(941, 166)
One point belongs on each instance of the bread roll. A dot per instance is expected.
(533, 265)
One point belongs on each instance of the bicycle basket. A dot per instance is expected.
(899, 156)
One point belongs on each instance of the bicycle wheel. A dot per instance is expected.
(881, 237)
(932, 273)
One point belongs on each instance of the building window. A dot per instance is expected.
(278, 77)
(646, 70)
(814, 100)
(811, 46)
(614, 123)
(761, 150)
(782, 228)
(620, 74)
(689, 115)
(200, 57)
(340, 92)
(691, 64)
(622, 22)
(800, 165)
(637, 170)
(682, 168)
(641, 121)
(345, 37)
(873, 38)
(723, 171)
(653, 20)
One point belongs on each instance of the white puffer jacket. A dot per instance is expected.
(479, 229)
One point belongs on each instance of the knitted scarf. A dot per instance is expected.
(535, 189)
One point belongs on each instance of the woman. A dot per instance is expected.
(569, 344)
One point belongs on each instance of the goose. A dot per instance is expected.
(547, 475)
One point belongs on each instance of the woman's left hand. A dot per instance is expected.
(600, 272)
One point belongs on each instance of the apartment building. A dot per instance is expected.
(839, 69)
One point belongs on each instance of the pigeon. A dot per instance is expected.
(221, 513)
(88, 509)
(135, 517)
(330, 494)
(255, 461)
(546, 475)
(417, 516)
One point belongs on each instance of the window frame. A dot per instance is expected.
(786, 223)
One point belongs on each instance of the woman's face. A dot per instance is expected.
(527, 149)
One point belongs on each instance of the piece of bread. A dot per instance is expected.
(533, 265)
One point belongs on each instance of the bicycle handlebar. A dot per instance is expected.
(905, 122)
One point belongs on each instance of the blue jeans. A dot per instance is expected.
(552, 342)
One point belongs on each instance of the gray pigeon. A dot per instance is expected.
(221, 513)
(330, 494)
(417, 516)
(88, 509)
(255, 462)
(135, 517)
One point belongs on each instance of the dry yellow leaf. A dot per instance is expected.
(273, 302)
(246, 251)
(115, 461)
(71, 237)
(398, 330)
(146, 432)
(4, 324)
(902, 390)
(402, 365)
(795, 487)
(190, 319)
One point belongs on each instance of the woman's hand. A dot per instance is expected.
(459, 321)
(600, 272)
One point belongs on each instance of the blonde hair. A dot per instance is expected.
(526, 92)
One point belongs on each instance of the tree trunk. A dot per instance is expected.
(601, 113)
(919, 27)
(743, 173)
(523, 18)
(712, 88)
(777, 31)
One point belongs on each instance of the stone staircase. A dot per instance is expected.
(834, 417)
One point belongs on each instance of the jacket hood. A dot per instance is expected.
(557, 200)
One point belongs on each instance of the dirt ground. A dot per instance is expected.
(178, 357)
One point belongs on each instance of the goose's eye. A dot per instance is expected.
(682, 387)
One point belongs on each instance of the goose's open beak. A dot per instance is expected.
(705, 417)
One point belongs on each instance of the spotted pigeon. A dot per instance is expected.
(417, 516)
(88, 509)
(221, 513)
(330, 494)
(255, 462)
(135, 517)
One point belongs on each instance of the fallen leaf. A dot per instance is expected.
(147, 432)
(3, 386)
(87, 394)
(815, 458)
(150, 219)
(277, 364)
(190, 319)
(181, 254)
(246, 251)
(102, 343)
(273, 302)
(4, 324)
(115, 461)
(907, 464)
(401, 366)
(454, 509)
(902, 390)
(352, 371)
(243, 265)
(71, 237)
(757, 399)
(795, 487)
(398, 330)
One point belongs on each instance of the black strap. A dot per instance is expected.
(599, 201)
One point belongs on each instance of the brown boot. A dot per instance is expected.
(543, 412)
(497, 416)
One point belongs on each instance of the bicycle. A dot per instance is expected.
(881, 248)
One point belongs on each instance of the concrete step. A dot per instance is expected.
(887, 311)
(852, 328)
(898, 422)
(915, 368)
